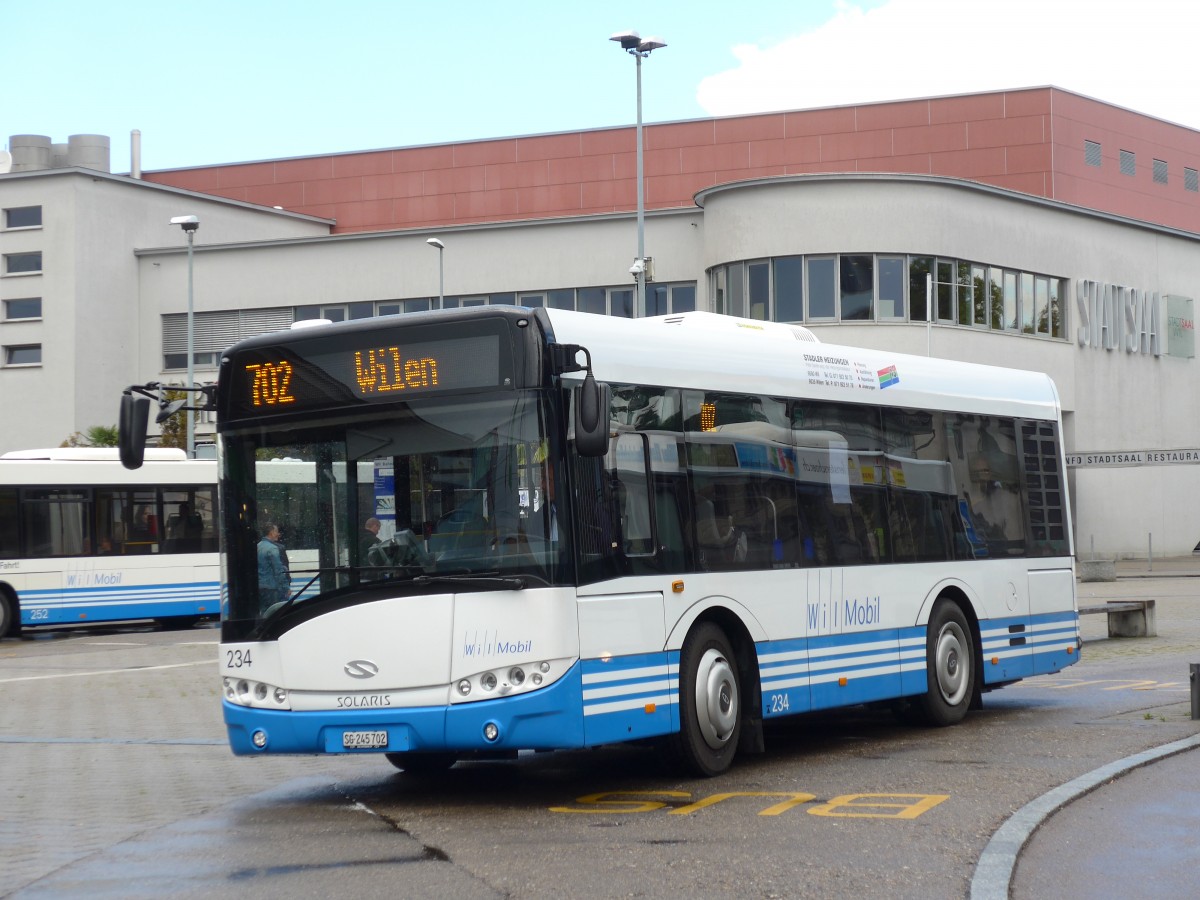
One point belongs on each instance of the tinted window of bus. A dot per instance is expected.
(56, 522)
(841, 481)
(741, 466)
(9, 529)
(924, 520)
(644, 484)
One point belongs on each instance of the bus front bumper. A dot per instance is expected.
(548, 719)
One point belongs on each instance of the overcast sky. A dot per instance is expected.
(236, 80)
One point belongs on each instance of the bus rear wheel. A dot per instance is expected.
(710, 713)
(421, 763)
(10, 620)
(950, 654)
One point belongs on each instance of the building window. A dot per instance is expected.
(822, 288)
(891, 287)
(23, 355)
(1190, 180)
(758, 294)
(620, 302)
(1128, 163)
(1160, 171)
(23, 263)
(857, 287)
(592, 300)
(23, 308)
(919, 270)
(1091, 153)
(789, 289)
(214, 331)
(23, 217)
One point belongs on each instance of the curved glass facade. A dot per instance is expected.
(883, 287)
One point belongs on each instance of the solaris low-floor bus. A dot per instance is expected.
(83, 540)
(532, 529)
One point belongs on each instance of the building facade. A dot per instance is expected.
(997, 228)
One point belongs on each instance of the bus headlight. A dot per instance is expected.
(259, 694)
(509, 681)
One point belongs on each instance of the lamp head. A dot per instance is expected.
(628, 40)
(187, 223)
(651, 43)
(434, 242)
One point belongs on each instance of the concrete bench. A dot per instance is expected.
(1096, 569)
(1126, 618)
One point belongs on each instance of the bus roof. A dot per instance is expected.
(85, 454)
(722, 353)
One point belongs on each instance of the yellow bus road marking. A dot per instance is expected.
(1115, 684)
(844, 806)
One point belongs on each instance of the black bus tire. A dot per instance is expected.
(710, 713)
(10, 615)
(950, 660)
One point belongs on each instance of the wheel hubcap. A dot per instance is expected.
(716, 699)
(950, 666)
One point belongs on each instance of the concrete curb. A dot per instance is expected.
(994, 871)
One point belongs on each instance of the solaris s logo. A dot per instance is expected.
(361, 668)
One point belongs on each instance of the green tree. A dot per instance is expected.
(174, 430)
(96, 436)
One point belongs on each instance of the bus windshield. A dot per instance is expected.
(442, 495)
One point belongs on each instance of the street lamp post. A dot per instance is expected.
(633, 44)
(434, 242)
(189, 224)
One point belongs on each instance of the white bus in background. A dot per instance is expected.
(671, 528)
(84, 540)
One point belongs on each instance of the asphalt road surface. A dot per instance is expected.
(117, 783)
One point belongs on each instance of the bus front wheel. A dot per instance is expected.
(710, 713)
(951, 666)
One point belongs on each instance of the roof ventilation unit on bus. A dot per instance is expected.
(718, 322)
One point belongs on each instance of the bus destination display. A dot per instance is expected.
(286, 378)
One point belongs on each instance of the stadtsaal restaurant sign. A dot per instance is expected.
(1133, 458)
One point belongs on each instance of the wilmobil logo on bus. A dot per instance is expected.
(492, 644)
(94, 579)
(823, 615)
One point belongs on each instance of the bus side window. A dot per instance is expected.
(9, 531)
(630, 470)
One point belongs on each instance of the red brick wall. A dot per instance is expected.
(1026, 140)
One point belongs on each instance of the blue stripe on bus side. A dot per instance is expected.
(627, 697)
(100, 604)
(1055, 640)
(799, 675)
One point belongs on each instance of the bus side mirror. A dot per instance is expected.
(591, 418)
(131, 425)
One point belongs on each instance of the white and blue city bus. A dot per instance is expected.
(83, 540)
(604, 530)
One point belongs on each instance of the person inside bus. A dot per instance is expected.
(369, 539)
(274, 580)
(717, 536)
(185, 528)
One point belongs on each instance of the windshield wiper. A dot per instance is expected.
(490, 579)
(279, 609)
